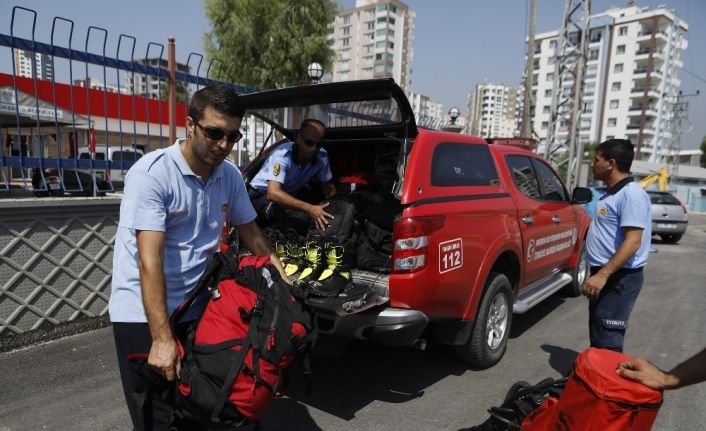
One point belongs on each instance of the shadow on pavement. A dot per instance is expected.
(522, 322)
(349, 375)
(561, 358)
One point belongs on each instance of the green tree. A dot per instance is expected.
(181, 91)
(269, 44)
(702, 159)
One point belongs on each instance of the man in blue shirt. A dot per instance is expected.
(174, 206)
(276, 187)
(617, 245)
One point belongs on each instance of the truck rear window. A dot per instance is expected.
(125, 156)
(456, 164)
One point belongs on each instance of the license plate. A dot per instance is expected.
(54, 186)
(666, 225)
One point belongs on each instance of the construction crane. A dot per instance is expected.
(661, 179)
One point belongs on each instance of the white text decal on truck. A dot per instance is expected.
(534, 250)
(450, 255)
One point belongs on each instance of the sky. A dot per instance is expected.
(457, 43)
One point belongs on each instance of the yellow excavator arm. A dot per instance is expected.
(661, 178)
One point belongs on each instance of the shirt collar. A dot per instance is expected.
(619, 185)
(181, 163)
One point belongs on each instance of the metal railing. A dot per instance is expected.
(44, 121)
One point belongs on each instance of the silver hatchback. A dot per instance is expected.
(669, 217)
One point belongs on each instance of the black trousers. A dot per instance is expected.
(271, 214)
(148, 410)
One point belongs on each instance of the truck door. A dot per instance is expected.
(557, 205)
(537, 225)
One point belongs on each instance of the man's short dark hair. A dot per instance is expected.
(220, 98)
(310, 121)
(620, 150)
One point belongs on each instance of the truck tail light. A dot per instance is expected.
(411, 242)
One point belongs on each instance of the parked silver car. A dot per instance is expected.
(669, 217)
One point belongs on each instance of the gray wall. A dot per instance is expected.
(56, 260)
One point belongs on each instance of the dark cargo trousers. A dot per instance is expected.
(608, 314)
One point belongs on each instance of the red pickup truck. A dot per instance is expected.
(479, 230)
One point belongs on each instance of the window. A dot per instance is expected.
(545, 125)
(455, 164)
(371, 25)
(612, 122)
(551, 60)
(347, 19)
(616, 86)
(346, 41)
(382, 7)
(545, 109)
(614, 104)
(548, 93)
(618, 68)
(588, 107)
(595, 36)
(623, 31)
(593, 54)
(620, 49)
(552, 43)
(346, 31)
(551, 186)
(550, 77)
(523, 176)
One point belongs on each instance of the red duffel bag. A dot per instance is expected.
(597, 398)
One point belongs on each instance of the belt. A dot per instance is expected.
(595, 269)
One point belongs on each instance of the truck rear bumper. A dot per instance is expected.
(386, 325)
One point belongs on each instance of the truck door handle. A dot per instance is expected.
(527, 219)
(556, 219)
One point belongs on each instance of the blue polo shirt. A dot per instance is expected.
(163, 194)
(281, 167)
(626, 205)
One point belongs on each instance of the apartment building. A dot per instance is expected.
(42, 65)
(631, 79)
(150, 85)
(427, 113)
(97, 84)
(374, 40)
(493, 111)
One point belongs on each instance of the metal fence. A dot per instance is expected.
(99, 101)
(60, 108)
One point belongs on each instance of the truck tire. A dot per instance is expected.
(488, 340)
(579, 274)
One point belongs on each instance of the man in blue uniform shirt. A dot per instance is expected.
(175, 203)
(276, 189)
(617, 245)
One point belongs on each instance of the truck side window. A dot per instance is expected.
(457, 164)
(552, 187)
(524, 176)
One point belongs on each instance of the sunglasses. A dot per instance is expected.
(216, 134)
(311, 142)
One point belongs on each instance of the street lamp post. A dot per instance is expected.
(315, 72)
(454, 113)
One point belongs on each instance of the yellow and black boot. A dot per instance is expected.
(296, 258)
(316, 264)
(337, 276)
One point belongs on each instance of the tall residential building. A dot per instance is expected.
(374, 40)
(43, 65)
(150, 85)
(631, 80)
(492, 111)
(97, 84)
(427, 113)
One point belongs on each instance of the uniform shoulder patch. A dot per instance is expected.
(603, 211)
(275, 169)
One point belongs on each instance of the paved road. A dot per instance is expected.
(72, 383)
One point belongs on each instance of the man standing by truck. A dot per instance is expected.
(617, 245)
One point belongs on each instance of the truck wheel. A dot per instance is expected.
(488, 340)
(579, 275)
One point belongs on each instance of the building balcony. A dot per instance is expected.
(643, 54)
(639, 91)
(636, 111)
(646, 36)
(634, 129)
